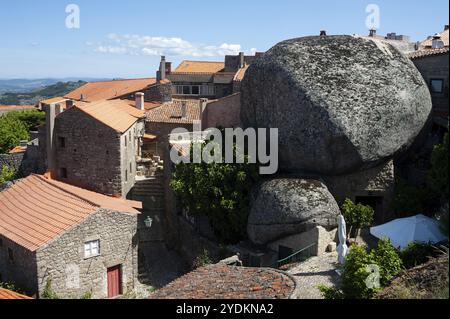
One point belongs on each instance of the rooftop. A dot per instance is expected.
(53, 100)
(427, 52)
(16, 107)
(172, 112)
(8, 294)
(241, 73)
(35, 210)
(444, 37)
(200, 67)
(120, 115)
(220, 281)
(106, 90)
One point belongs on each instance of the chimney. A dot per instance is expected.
(183, 109)
(323, 33)
(161, 74)
(50, 114)
(69, 104)
(140, 101)
(82, 97)
(372, 32)
(202, 104)
(437, 43)
(241, 60)
(446, 27)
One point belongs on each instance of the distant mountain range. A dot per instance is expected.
(29, 85)
(29, 96)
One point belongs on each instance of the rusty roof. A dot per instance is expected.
(8, 294)
(106, 90)
(220, 281)
(427, 52)
(200, 67)
(35, 210)
(172, 112)
(120, 115)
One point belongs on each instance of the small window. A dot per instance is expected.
(126, 175)
(63, 172)
(129, 136)
(437, 86)
(10, 255)
(195, 90)
(62, 142)
(186, 90)
(131, 167)
(126, 143)
(92, 248)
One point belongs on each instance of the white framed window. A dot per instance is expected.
(92, 248)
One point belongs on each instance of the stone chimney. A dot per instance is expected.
(161, 74)
(82, 97)
(183, 109)
(372, 32)
(202, 104)
(69, 104)
(50, 115)
(140, 101)
(323, 33)
(241, 60)
(437, 42)
(446, 27)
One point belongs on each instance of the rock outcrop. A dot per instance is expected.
(341, 103)
(286, 206)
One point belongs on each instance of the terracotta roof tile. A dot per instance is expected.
(8, 294)
(241, 73)
(220, 281)
(17, 107)
(58, 99)
(172, 112)
(426, 53)
(18, 149)
(105, 90)
(34, 210)
(444, 37)
(200, 67)
(120, 115)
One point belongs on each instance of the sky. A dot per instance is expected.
(124, 39)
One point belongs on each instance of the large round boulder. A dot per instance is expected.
(287, 206)
(341, 103)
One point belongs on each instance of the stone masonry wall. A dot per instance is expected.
(72, 275)
(91, 154)
(21, 270)
(224, 112)
(11, 160)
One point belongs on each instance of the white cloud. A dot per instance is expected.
(155, 46)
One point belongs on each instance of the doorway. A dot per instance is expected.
(114, 281)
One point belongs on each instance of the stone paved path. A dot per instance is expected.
(314, 272)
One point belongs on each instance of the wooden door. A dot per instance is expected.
(114, 281)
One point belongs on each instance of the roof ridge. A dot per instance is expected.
(121, 80)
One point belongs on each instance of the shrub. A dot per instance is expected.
(330, 292)
(387, 258)
(48, 292)
(10, 286)
(416, 253)
(202, 260)
(30, 118)
(410, 200)
(7, 174)
(357, 215)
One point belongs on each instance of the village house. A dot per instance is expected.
(67, 239)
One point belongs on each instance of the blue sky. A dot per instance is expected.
(125, 38)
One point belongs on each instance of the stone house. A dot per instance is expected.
(67, 238)
(96, 145)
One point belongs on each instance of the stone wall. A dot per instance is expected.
(159, 92)
(92, 152)
(13, 161)
(375, 182)
(436, 67)
(72, 275)
(224, 112)
(21, 270)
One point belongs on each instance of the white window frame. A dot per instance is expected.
(92, 248)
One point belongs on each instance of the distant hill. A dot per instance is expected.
(29, 85)
(42, 93)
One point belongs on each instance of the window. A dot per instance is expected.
(62, 142)
(129, 136)
(437, 86)
(10, 255)
(63, 172)
(186, 90)
(131, 167)
(195, 90)
(92, 248)
(126, 175)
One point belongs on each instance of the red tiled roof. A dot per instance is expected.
(444, 37)
(220, 281)
(35, 210)
(8, 294)
(106, 90)
(18, 149)
(205, 67)
(172, 112)
(120, 115)
(17, 107)
(53, 100)
(241, 73)
(427, 52)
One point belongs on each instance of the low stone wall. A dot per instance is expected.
(11, 160)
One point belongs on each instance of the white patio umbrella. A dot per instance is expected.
(404, 230)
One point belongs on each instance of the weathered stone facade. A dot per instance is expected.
(63, 262)
(224, 112)
(95, 156)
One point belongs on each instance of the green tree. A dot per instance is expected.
(12, 131)
(357, 215)
(388, 259)
(218, 191)
(31, 118)
(7, 174)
